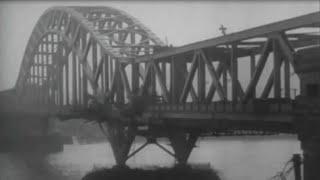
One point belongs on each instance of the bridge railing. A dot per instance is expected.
(255, 106)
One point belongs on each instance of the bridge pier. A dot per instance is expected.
(311, 154)
(310, 144)
(120, 138)
(182, 144)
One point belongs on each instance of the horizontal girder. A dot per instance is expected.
(309, 20)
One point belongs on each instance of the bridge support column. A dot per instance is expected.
(120, 138)
(178, 73)
(182, 144)
(311, 156)
(310, 144)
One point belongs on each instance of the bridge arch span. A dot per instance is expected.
(74, 53)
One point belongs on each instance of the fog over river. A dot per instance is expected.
(235, 158)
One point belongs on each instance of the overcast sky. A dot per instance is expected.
(179, 22)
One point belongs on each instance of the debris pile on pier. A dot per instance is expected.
(185, 173)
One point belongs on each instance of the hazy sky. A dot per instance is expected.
(181, 22)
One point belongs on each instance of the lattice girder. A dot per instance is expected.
(94, 41)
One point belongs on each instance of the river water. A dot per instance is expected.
(240, 158)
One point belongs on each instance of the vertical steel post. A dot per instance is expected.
(94, 62)
(41, 64)
(106, 73)
(252, 69)
(287, 78)
(66, 61)
(80, 82)
(119, 84)
(277, 69)
(297, 166)
(177, 78)
(84, 78)
(201, 80)
(135, 78)
(164, 72)
(234, 72)
(59, 73)
(134, 67)
(43, 75)
(38, 75)
(74, 79)
(225, 77)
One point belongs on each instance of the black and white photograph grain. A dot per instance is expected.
(160, 90)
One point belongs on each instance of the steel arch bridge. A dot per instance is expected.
(83, 58)
(86, 46)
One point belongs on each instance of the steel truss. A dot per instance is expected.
(77, 55)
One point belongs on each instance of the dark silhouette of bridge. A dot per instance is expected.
(102, 64)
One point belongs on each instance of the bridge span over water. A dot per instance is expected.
(101, 64)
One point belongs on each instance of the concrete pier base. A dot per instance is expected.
(309, 136)
(120, 138)
(182, 143)
(311, 158)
